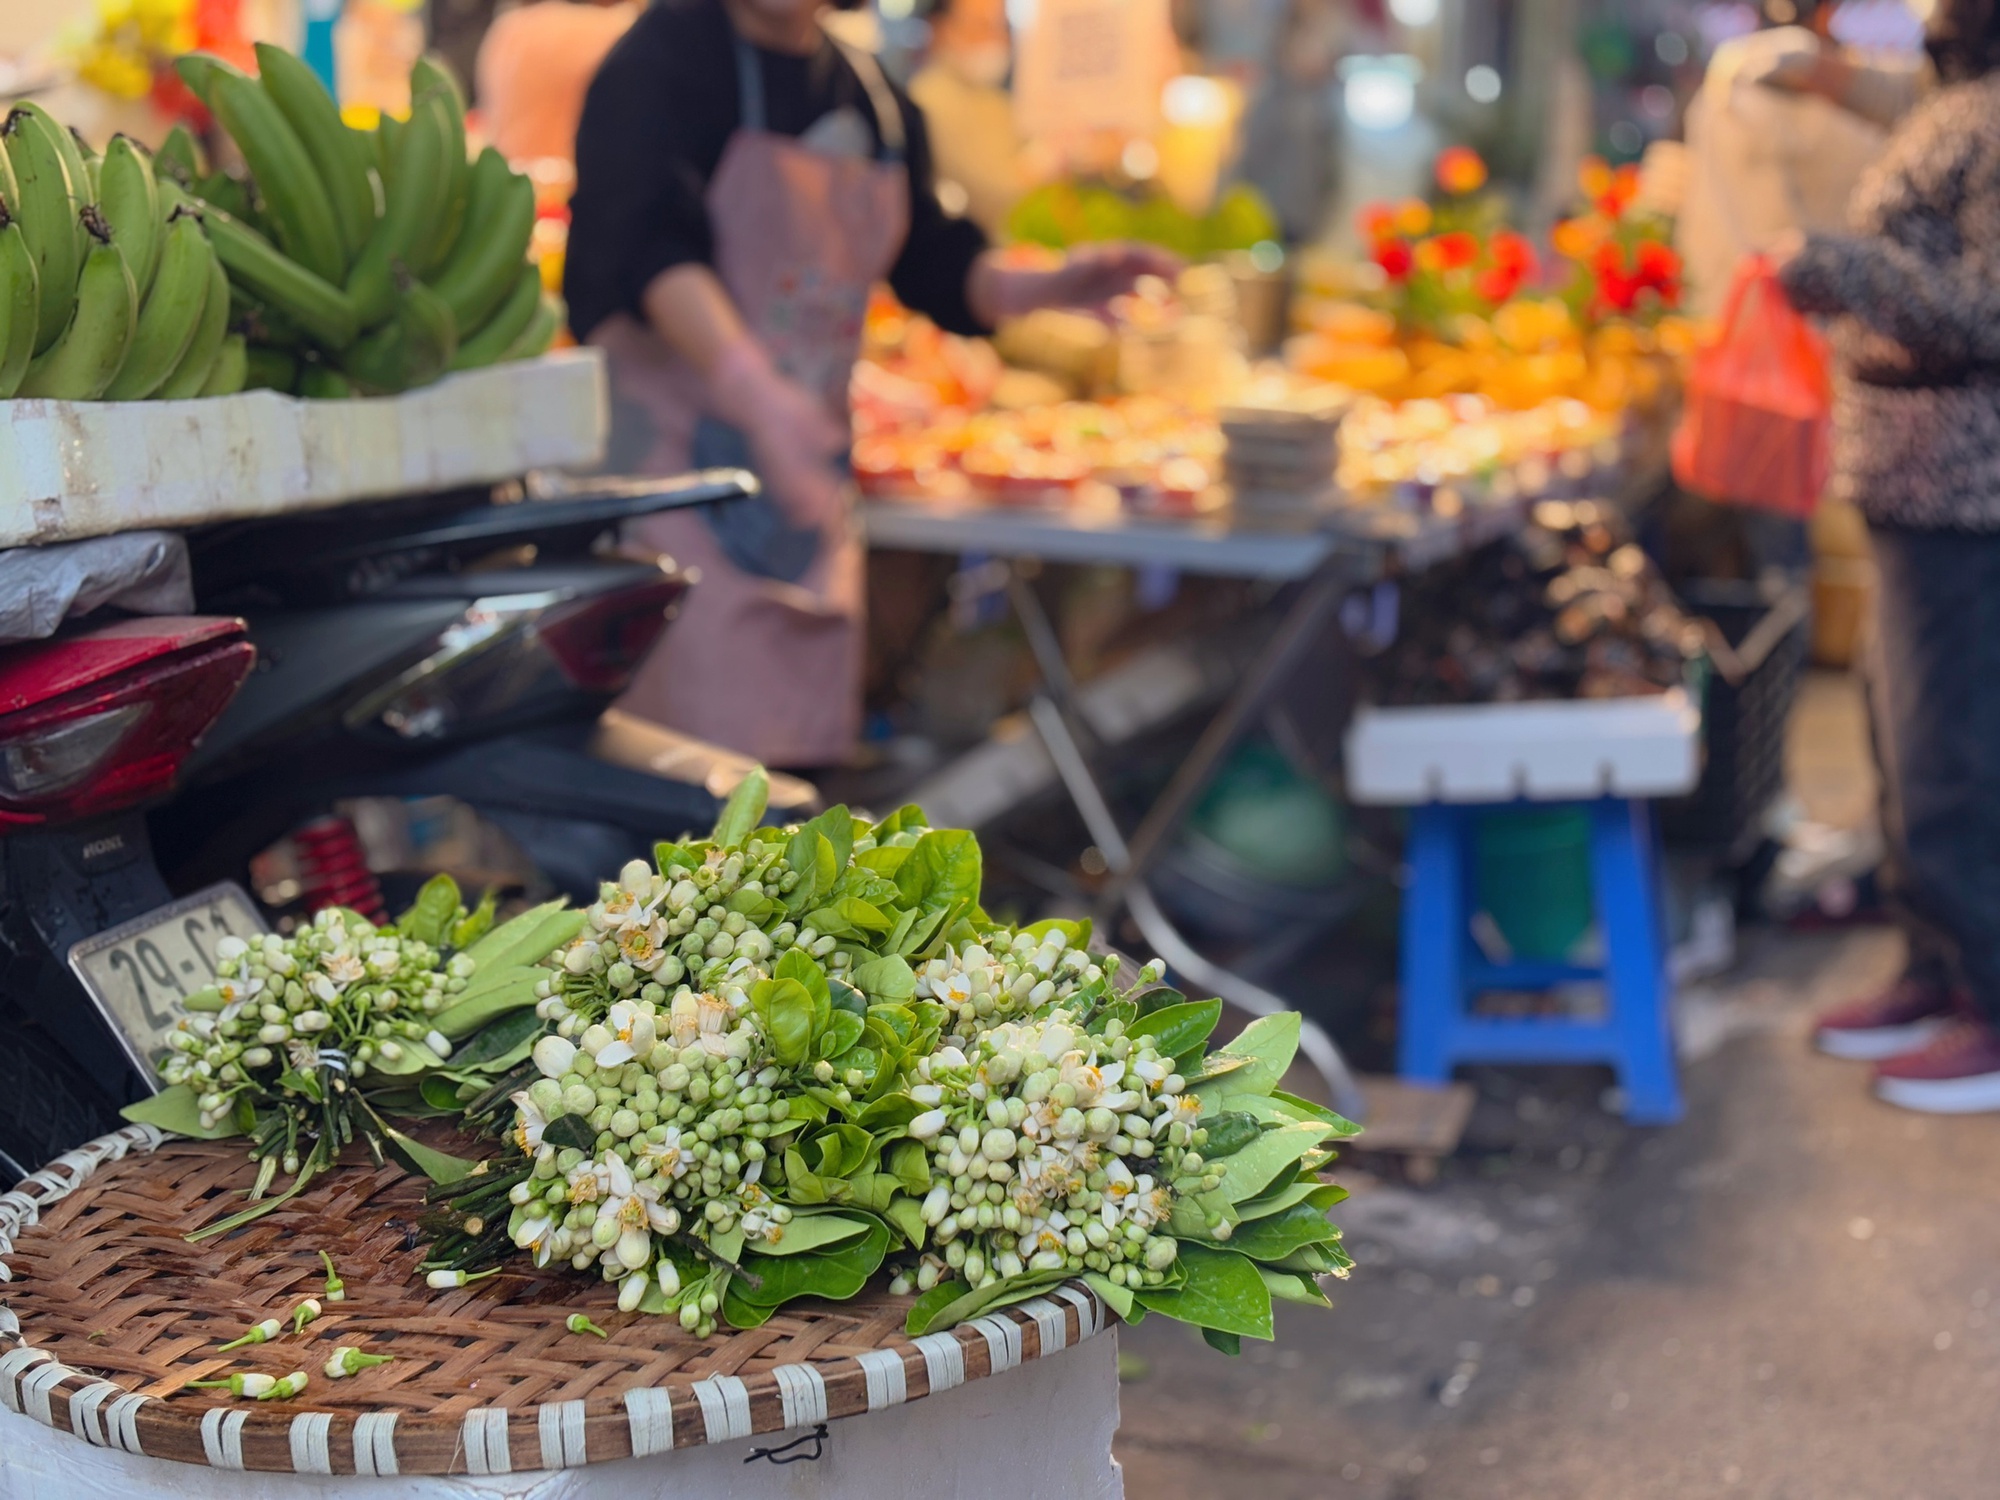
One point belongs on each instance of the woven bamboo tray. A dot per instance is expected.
(106, 1311)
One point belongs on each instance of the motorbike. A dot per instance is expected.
(95, 724)
(458, 645)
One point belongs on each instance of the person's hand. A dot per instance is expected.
(1087, 277)
(793, 439)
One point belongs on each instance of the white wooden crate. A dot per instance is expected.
(1543, 752)
(72, 469)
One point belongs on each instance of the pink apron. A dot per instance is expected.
(766, 654)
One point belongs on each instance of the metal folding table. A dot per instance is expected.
(1343, 551)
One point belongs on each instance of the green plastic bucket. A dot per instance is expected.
(1534, 878)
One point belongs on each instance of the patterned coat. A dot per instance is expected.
(1917, 342)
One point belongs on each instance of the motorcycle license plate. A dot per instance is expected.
(139, 972)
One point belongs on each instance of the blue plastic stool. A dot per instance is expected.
(1442, 969)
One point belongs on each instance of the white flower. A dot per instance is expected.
(636, 1209)
(322, 989)
(926, 1126)
(643, 945)
(666, 1155)
(529, 1123)
(537, 1236)
(231, 947)
(238, 991)
(636, 878)
(632, 1034)
(343, 968)
(929, 1095)
(1092, 1082)
(669, 1274)
(554, 1056)
(632, 1291)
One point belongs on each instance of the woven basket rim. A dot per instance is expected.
(205, 1428)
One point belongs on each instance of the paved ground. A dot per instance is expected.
(1795, 1295)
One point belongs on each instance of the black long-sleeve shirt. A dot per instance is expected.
(654, 124)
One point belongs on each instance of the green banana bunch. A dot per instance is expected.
(324, 383)
(413, 348)
(129, 198)
(339, 156)
(230, 369)
(417, 186)
(45, 207)
(180, 157)
(171, 311)
(499, 220)
(490, 343)
(431, 79)
(85, 359)
(294, 198)
(270, 369)
(191, 374)
(20, 301)
(550, 314)
(320, 307)
(79, 162)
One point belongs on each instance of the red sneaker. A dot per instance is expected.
(1957, 1074)
(1900, 1020)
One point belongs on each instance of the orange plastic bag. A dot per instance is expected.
(1757, 427)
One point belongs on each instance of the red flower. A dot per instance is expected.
(1378, 222)
(1512, 253)
(1394, 257)
(1657, 264)
(1497, 284)
(1456, 250)
(1460, 171)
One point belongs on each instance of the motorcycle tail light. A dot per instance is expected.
(117, 742)
(517, 657)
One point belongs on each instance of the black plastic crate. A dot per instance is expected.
(1759, 639)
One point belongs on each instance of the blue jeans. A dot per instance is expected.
(1934, 698)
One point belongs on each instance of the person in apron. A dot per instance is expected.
(743, 181)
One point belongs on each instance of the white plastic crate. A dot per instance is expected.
(72, 469)
(1543, 752)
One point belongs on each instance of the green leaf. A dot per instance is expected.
(785, 1007)
(929, 1304)
(744, 810)
(416, 1058)
(1223, 1290)
(570, 1130)
(970, 1304)
(802, 1184)
(1288, 1286)
(178, 1110)
(502, 1043)
(907, 818)
(1117, 1298)
(1274, 1236)
(1190, 1217)
(884, 862)
(906, 1214)
(527, 939)
(842, 1031)
(889, 979)
(1228, 1133)
(850, 914)
(909, 1163)
(942, 869)
(1264, 1160)
(1176, 1028)
(1213, 1067)
(1267, 1045)
(436, 1091)
(1075, 933)
(668, 856)
(436, 908)
(1228, 1343)
(836, 1273)
(439, 1166)
(1159, 997)
(808, 1232)
(1322, 1195)
(476, 923)
(510, 989)
(1305, 1109)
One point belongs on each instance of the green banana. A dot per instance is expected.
(388, 132)
(413, 348)
(430, 78)
(180, 156)
(324, 383)
(321, 308)
(85, 360)
(416, 187)
(44, 209)
(295, 200)
(80, 162)
(192, 372)
(269, 369)
(489, 345)
(170, 313)
(20, 303)
(130, 201)
(338, 155)
(230, 194)
(541, 330)
(230, 369)
(490, 252)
